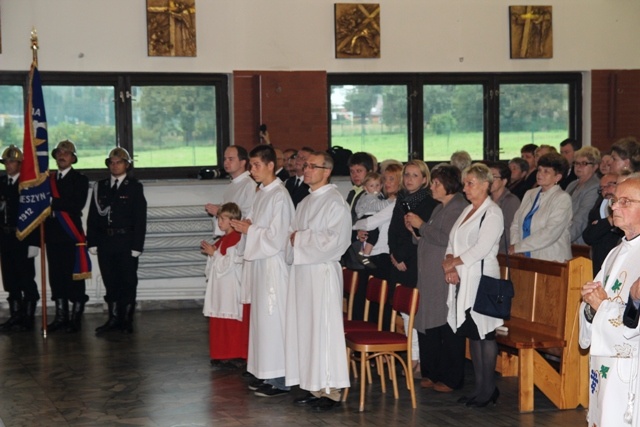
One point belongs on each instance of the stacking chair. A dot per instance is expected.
(376, 292)
(350, 278)
(386, 344)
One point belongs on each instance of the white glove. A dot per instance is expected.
(33, 251)
(93, 250)
(135, 254)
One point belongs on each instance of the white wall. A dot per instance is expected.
(417, 35)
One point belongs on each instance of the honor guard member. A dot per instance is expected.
(16, 257)
(116, 230)
(63, 232)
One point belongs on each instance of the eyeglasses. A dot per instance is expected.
(313, 167)
(604, 187)
(583, 164)
(623, 202)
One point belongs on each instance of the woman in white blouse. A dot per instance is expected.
(475, 238)
(540, 227)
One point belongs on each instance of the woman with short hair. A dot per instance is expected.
(472, 251)
(540, 227)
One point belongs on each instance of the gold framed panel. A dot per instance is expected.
(357, 28)
(171, 28)
(531, 32)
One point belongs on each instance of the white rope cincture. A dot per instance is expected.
(102, 212)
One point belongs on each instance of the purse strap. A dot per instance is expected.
(506, 245)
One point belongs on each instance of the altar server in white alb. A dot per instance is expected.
(321, 233)
(614, 386)
(241, 190)
(266, 273)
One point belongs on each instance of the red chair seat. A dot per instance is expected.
(359, 326)
(376, 338)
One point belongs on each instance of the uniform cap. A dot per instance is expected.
(12, 153)
(120, 153)
(68, 146)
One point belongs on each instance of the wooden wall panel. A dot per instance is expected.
(293, 105)
(615, 106)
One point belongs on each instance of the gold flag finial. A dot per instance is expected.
(34, 44)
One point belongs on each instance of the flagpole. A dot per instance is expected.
(43, 261)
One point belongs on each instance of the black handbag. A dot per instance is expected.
(494, 295)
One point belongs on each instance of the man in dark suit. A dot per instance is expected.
(600, 233)
(281, 171)
(117, 227)
(567, 148)
(16, 257)
(298, 190)
(69, 189)
(360, 164)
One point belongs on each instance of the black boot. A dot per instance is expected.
(15, 314)
(28, 317)
(62, 316)
(75, 323)
(127, 318)
(113, 322)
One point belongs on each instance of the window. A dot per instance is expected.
(84, 115)
(11, 115)
(432, 115)
(532, 114)
(172, 125)
(453, 121)
(359, 123)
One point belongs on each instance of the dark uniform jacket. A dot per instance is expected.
(73, 190)
(127, 218)
(9, 199)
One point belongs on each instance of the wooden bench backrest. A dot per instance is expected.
(547, 293)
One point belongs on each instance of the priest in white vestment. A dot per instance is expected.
(614, 361)
(321, 233)
(266, 273)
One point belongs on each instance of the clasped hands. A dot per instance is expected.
(449, 266)
(593, 294)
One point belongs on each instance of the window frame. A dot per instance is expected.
(490, 82)
(122, 84)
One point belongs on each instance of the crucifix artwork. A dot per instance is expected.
(531, 32)
(171, 27)
(357, 30)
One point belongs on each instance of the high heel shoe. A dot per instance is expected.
(493, 399)
(466, 399)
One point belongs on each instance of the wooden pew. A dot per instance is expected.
(542, 338)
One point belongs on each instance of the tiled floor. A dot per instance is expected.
(160, 376)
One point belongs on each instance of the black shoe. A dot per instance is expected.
(247, 374)
(325, 404)
(113, 322)
(493, 399)
(307, 399)
(256, 384)
(466, 399)
(364, 260)
(267, 390)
